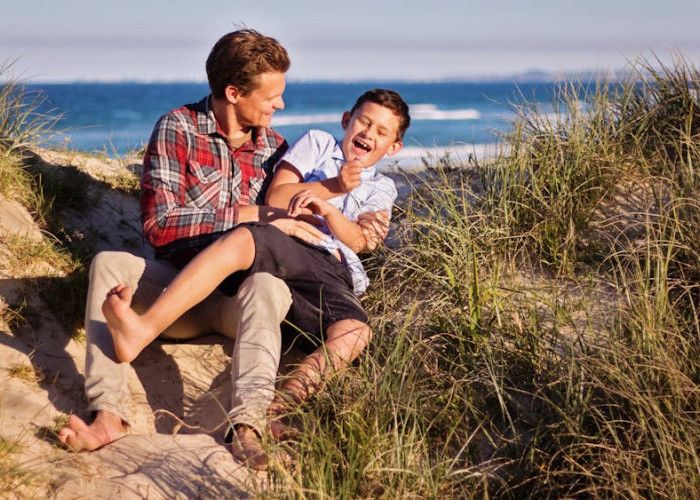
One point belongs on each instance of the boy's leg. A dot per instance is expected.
(105, 377)
(345, 340)
(132, 332)
(322, 293)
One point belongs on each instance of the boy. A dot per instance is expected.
(340, 180)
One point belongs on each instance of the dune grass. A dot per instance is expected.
(22, 121)
(13, 477)
(537, 329)
(528, 344)
(47, 195)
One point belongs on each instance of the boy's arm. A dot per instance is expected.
(350, 233)
(346, 231)
(287, 182)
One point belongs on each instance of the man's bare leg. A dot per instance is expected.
(131, 332)
(79, 436)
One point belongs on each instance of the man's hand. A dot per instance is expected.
(300, 227)
(375, 227)
(306, 202)
(350, 176)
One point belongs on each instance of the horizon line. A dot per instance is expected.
(535, 75)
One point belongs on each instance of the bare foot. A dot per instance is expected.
(281, 429)
(246, 448)
(78, 436)
(129, 333)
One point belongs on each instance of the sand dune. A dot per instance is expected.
(179, 391)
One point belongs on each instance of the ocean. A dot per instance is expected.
(461, 118)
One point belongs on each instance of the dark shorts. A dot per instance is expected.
(320, 284)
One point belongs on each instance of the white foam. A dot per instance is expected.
(431, 112)
(280, 120)
(419, 112)
(417, 158)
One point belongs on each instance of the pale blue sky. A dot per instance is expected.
(385, 39)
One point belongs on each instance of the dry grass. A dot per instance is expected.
(25, 372)
(483, 383)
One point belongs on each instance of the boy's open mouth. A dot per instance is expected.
(361, 145)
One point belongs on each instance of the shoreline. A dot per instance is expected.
(414, 160)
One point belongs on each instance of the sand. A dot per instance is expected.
(179, 391)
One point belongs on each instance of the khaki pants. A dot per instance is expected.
(252, 318)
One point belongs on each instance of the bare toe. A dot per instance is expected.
(127, 293)
(66, 434)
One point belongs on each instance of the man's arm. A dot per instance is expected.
(287, 181)
(167, 212)
(168, 215)
(291, 226)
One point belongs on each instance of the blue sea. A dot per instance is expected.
(461, 118)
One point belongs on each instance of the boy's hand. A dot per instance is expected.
(349, 177)
(306, 202)
(375, 227)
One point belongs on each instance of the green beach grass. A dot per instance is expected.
(537, 332)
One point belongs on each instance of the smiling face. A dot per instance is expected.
(370, 133)
(256, 108)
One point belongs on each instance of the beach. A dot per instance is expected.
(536, 329)
(448, 118)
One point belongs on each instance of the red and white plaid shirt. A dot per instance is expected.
(193, 181)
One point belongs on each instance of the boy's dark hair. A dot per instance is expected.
(388, 99)
(239, 57)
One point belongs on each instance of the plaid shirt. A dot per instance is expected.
(193, 181)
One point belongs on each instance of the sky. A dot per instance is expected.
(169, 40)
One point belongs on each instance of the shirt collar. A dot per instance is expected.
(206, 121)
(368, 173)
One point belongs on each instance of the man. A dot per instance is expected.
(206, 168)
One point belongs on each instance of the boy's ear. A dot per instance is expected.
(232, 94)
(345, 121)
(394, 148)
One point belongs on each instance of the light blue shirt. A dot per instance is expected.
(317, 156)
